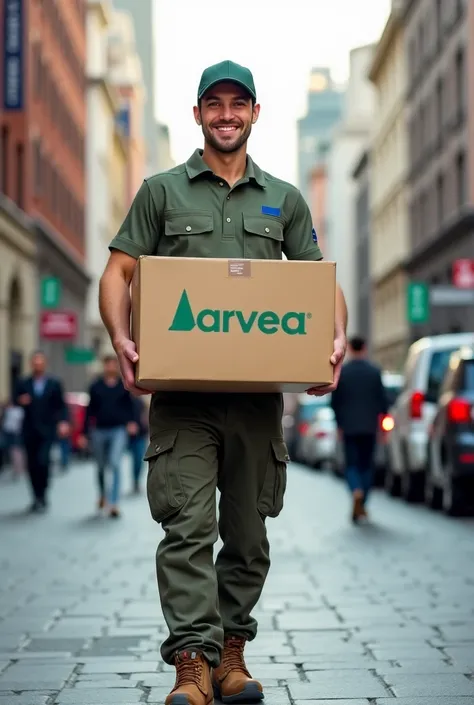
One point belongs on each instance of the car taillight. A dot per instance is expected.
(387, 423)
(303, 428)
(459, 411)
(416, 405)
(320, 434)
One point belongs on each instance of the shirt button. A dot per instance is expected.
(228, 220)
(228, 198)
(188, 228)
(267, 230)
(220, 183)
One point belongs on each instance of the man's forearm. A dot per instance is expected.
(341, 311)
(115, 305)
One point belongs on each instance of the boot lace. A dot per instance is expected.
(234, 656)
(188, 672)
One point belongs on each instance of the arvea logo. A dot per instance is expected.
(216, 320)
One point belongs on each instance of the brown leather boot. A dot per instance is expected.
(193, 680)
(231, 680)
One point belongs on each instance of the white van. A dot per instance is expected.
(414, 411)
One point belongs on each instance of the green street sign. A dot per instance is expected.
(79, 356)
(418, 302)
(50, 292)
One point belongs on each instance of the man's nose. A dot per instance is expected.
(226, 113)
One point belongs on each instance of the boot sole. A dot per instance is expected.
(181, 700)
(250, 694)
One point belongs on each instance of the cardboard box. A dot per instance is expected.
(203, 324)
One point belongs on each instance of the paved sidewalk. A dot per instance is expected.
(350, 615)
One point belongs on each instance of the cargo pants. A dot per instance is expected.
(200, 443)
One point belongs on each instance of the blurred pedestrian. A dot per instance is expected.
(45, 417)
(138, 442)
(358, 402)
(203, 441)
(11, 438)
(111, 417)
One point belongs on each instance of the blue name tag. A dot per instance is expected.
(315, 237)
(267, 210)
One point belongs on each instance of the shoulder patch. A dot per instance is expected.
(315, 237)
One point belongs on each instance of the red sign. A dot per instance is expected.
(463, 273)
(58, 325)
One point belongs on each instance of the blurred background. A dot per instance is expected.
(367, 106)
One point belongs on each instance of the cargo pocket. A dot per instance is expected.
(270, 500)
(164, 489)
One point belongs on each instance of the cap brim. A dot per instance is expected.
(227, 80)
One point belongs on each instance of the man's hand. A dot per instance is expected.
(24, 399)
(337, 358)
(132, 428)
(82, 442)
(63, 429)
(128, 357)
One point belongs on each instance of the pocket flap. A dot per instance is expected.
(264, 226)
(188, 222)
(160, 443)
(280, 450)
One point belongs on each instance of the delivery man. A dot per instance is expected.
(218, 204)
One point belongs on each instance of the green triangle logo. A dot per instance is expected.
(183, 318)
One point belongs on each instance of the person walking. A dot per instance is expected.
(110, 419)
(218, 204)
(138, 442)
(10, 435)
(45, 418)
(358, 402)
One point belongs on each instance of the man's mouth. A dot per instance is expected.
(226, 128)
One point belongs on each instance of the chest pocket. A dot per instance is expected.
(188, 233)
(263, 237)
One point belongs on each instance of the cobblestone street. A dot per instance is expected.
(350, 615)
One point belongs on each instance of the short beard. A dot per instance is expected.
(231, 147)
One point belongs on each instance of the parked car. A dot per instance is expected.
(414, 410)
(301, 419)
(450, 473)
(319, 442)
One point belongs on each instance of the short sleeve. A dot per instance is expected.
(301, 242)
(139, 232)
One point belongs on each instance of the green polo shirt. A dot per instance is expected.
(189, 211)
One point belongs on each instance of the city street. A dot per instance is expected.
(350, 615)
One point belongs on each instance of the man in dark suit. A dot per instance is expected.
(45, 419)
(358, 402)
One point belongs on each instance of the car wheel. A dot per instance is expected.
(454, 503)
(433, 494)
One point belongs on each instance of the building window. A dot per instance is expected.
(439, 23)
(460, 83)
(440, 198)
(4, 153)
(20, 154)
(37, 167)
(461, 179)
(439, 107)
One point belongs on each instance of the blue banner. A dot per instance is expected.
(13, 64)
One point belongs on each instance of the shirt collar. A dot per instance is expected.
(195, 166)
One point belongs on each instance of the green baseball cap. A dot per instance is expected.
(227, 71)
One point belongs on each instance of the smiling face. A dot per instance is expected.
(226, 114)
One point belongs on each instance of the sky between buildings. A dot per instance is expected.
(278, 40)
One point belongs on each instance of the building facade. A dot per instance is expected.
(125, 74)
(314, 129)
(102, 109)
(42, 124)
(361, 207)
(390, 243)
(143, 16)
(439, 39)
(18, 294)
(165, 158)
(318, 187)
(349, 138)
